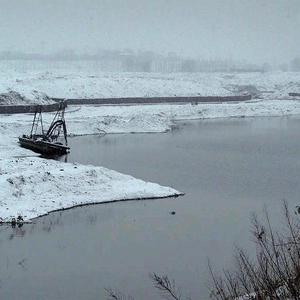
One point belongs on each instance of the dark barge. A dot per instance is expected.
(50, 142)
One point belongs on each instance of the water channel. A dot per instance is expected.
(226, 168)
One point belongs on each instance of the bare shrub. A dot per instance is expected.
(166, 286)
(275, 271)
(116, 295)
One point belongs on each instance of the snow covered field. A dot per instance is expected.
(86, 80)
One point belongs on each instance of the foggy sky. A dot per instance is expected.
(252, 30)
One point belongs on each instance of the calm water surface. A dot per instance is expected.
(227, 168)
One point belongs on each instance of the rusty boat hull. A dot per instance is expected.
(43, 147)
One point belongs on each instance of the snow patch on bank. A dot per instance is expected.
(28, 96)
(32, 187)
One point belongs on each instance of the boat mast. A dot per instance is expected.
(36, 120)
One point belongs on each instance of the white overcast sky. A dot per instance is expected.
(252, 30)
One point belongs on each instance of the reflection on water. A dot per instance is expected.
(227, 168)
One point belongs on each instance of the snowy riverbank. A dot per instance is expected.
(82, 120)
(31, 186)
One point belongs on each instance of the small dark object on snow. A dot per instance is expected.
(47, 143)
(173, 212)
(298, 209)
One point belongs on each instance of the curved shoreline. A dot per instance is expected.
(29, 221)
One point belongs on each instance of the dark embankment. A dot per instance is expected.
(155, 100)
(18, 109)
(294, 94)
(15, 109)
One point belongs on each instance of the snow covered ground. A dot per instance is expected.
(86, 80)
(32, 187)
(161, 118)
(82, 120)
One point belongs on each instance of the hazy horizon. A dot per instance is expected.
(256, 31)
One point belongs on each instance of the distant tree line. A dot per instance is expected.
(148, 61)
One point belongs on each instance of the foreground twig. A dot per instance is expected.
(166, 286)
(116, 295)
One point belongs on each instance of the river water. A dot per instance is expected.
(227, 170)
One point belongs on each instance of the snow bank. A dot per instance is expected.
(106, 85)
(32, 187)
(87, 81)
(160, 118)
(82, 120)
(11, 97)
